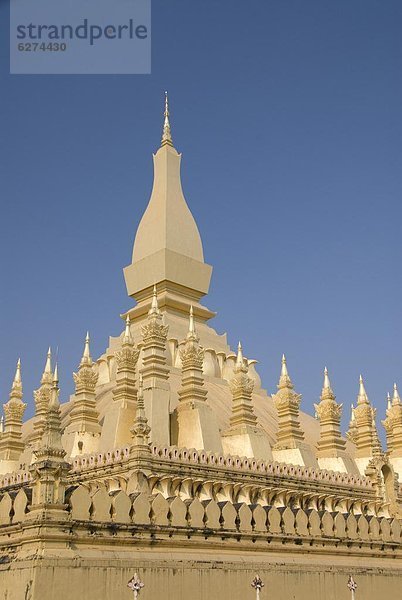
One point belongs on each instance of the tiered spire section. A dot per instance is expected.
(192, 358)
(140, 429)
(376, 444)
(155, 373)
(49, 468)
(290, 446)
(168, 249)
(364, 423)
(42, 399)
(241, 387)
(11, 445)
(387, 423)
(244, 436)
(394, 434)
(329, 414)
(287, 403)
(331, 447)
(126, 360)
(83, 430)
(197, 426)
(116, 430)
(352, 431)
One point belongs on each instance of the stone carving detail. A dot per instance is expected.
(136, 585)
(192, 357)
(241, 383)
(14, 411)
(154, 331)
(140, 429)
(85, 380)
(127, 359)
(328, 411)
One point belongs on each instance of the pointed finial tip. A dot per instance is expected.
(166, 134)
(87, 337)
(239, 347)
(56, 374)
(283, 358)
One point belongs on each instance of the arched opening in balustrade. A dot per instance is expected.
(387, 475)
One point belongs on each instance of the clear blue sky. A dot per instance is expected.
(288, 115)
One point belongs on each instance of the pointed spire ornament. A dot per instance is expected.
(362, 397)
(327, 393)
(351, 434)
(387, 423)
(127, 338)
(244, 435)
(42, 399)
(242, 387)
(240, 365)
(83, 429)
(125, 391)
(329, 414)
(50, 444)
(192, 333)
(86, 378)
(17, 376)
(154, 310)
(47, 373)
(86, 356)
(2, 424)
(376, 444)
(49, 469)
(393, 425)
(140, 428)
(287, 403)
(11, 445)
(284, 379)
(166, 134)
(54, 403)
(395, 398)
(155, 373)
(196, 426)
(364, 423)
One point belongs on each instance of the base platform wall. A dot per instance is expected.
(171, 575)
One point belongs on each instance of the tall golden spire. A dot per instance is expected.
(14, 411)
(362, 397)
(166, 135)
(395, 398)
(86, 356)
(47, 373)
(284, 380)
